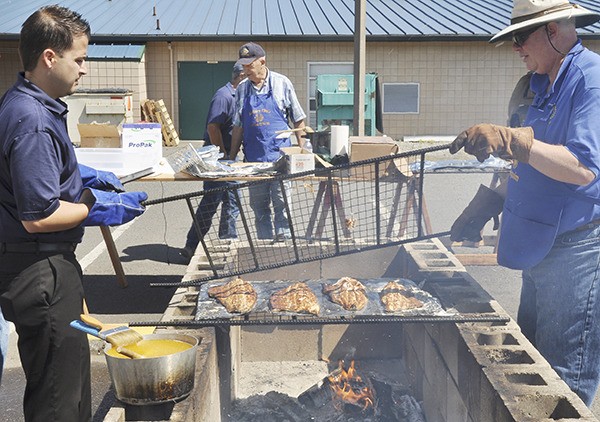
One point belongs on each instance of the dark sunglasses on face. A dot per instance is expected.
(520, 38)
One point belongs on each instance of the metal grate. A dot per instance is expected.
(331, 211)
(265, 318)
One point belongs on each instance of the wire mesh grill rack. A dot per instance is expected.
(327, 212)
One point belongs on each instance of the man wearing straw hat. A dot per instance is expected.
(551, 212)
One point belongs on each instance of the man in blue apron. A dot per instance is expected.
(551, 214)
(265, 103)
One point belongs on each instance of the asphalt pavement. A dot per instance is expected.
(149, 248)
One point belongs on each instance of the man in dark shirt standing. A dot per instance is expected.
(219, 124)
(46, 199)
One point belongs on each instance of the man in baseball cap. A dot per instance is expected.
(551, 206)
(266, 107)
(250, 52)
(219, 125)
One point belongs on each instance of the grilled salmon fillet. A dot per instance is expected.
(347, 292)
(297, 297)
(395, 297)
(237, 296)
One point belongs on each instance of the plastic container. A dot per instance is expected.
(117, 160)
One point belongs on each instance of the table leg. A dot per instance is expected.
(114, 255)
(315, 209)
(339, 208)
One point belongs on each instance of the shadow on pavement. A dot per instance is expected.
(153, 252)
(104, 296)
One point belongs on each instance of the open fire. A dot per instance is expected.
(351, 388)
(358, 391)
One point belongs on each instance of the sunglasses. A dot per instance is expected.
(520, 38)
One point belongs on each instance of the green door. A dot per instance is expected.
(198, 81)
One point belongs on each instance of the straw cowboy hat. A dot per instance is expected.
(531, 13)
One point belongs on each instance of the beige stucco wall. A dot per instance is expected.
(130, 75)
(461, 83)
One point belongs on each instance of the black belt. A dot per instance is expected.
(35, 247)
(591, 225)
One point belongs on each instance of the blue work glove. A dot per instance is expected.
(99, 179)
(112, 208)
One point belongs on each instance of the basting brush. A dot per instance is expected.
(82, 326)
(117, 336)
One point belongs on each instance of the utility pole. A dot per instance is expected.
(360, 44)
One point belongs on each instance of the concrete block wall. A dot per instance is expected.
(471, 372)
(485, 371)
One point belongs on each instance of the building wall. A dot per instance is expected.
(130, 75)
(9, 64)
(461, 83)
(101, 74)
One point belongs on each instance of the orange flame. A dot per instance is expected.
(349, 387)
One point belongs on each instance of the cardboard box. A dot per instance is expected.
(367, 147)
(298, 159)
(143, 137)
(97, 135)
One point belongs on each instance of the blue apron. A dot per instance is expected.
(261, 119)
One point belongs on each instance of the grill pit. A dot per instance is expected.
(471, 371)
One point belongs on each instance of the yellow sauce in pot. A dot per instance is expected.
(152, 348)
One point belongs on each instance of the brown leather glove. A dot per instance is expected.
(486, 139)
(485, 205)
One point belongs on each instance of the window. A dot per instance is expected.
(322, 68)
(401, 98)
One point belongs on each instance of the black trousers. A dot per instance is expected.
(41, 293)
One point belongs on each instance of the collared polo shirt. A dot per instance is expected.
(220, 111)
(38, 166)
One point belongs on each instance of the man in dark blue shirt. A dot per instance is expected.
(219, 124)
(46, 199)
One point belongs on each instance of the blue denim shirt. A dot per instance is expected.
(567, 113)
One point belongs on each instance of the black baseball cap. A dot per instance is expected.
(250, 52)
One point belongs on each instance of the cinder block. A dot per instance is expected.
(536, 407)
(469, 382)
(292, 343)
(455, 407)
(449, 338)
(430, 257)
(434, 409)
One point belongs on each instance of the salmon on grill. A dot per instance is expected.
(395, 297)
(237, 296)
(347, 292)
(297, 297)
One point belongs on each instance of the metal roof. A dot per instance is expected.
(144, 20)
(126, 52)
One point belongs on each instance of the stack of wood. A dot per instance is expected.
(156, 111)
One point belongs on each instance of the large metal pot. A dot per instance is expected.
(154, 380)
